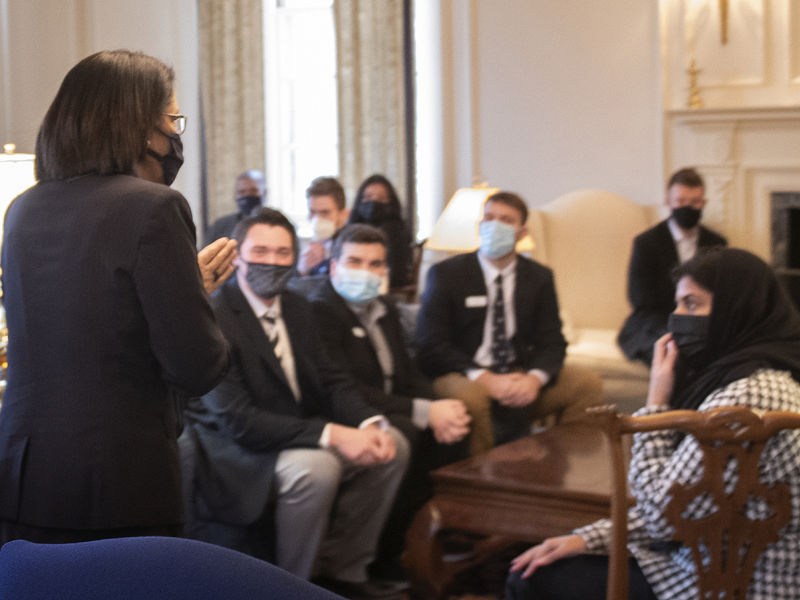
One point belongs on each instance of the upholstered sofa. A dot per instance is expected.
(585, 236)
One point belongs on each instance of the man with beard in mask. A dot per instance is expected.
(250, 193)
(286, 427)
(656, 253)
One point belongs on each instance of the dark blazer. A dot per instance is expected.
(222, 227)
(650, 288)
(348, 345)
(244, 422)
(106, 318)
(450, 330)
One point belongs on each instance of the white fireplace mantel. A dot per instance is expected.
(744, 154)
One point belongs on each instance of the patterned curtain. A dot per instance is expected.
(232, 95)
(372, 100)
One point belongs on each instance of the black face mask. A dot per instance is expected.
(171, 161)
(686, 216)
(268, 281)
(374, 212)
(246, 204)
(690, 334)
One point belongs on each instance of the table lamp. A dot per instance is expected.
(456, 230)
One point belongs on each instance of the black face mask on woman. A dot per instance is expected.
(690, 334)
(172, 161)
(374, 212)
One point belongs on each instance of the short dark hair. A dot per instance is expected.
(101, 117)
(265, 216)
(328, 186)
(688, 177)
(357, 233)
(510, 199)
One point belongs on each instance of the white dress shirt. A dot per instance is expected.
(483, 355)
(685, 241)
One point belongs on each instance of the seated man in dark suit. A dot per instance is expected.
(362, 333)
(490, 332)
(286, 426)
(656, 253)
(249, 194)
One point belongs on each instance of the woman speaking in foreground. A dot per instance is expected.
(734, 340)
(107, 316)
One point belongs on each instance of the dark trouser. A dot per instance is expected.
(582, 577)
(417, 488)
(11, 530)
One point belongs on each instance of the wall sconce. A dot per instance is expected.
(456, 230)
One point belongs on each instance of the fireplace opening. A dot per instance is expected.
(786, 241)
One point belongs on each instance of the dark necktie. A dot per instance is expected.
(500, 346)
(273, 330)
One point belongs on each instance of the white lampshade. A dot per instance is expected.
(456, 230)
(16, 176)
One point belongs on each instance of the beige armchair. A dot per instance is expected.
(585, 236)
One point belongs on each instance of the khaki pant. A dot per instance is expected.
(576, 389)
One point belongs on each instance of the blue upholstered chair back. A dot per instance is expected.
(151, 568)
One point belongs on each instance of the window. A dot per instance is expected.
(300, 100)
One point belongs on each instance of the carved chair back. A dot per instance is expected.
(726, 543)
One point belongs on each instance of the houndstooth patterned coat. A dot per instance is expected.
(659, 458)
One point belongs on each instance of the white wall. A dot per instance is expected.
(43, 39)
(565, 95)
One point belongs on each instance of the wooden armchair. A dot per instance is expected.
(725, 544)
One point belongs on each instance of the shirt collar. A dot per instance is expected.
(490, 272)
(368, 312)
(679, 234)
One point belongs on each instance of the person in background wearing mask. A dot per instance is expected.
(327, 212)
(377, 204)
(362, 332)
(250, 194)
(656, 253)
(733, 340)
(489, 331)
(288, 430)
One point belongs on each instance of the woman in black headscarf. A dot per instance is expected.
(734, 339)
(377, 204)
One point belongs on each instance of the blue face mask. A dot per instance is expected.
(497, 238)
(356, 285)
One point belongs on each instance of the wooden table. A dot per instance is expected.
(536, 487)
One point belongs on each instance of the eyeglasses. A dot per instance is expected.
(179, 121)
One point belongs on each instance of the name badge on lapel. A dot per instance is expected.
(475, 301)
(359, 332)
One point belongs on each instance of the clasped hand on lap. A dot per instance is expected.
(513, 390)
(449, 421)
(367, 446)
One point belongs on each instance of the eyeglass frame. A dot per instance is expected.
(178, 121)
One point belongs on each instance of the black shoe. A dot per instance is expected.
(363, 590)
